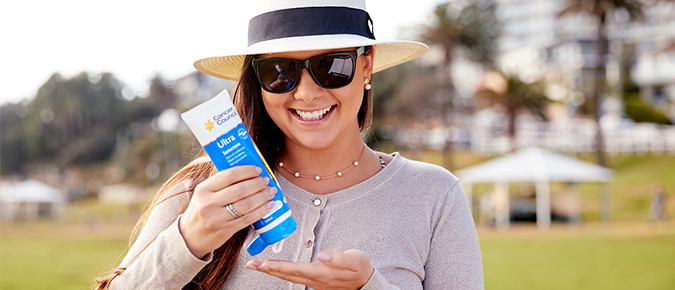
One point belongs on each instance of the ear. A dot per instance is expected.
(369, 58)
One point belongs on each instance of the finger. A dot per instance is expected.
(354, 265)
(302, 273)
(294, 279)
(253, 264)
(230, 176)
(241, 190)
(354, 260)
(254, 215)
(250, 203)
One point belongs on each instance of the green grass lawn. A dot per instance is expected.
(592, 260)
(597, 256)
(52, 255)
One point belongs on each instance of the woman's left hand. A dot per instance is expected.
(333, 270)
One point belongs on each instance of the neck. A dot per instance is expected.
(328, 161)
(323, 161)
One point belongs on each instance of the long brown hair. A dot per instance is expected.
(269, 139)
(213, 275)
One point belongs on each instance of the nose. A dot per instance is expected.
(307, 90)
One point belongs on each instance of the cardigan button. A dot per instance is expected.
(317, 202)
(309, 243)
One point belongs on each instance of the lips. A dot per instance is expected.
(313, 115)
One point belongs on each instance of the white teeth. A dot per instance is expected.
(314, 115)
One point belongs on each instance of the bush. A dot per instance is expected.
(639, 111)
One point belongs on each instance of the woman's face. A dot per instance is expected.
(314, 117)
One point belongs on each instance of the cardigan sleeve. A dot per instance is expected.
(159, 258)
(378, 282)
(454, 260)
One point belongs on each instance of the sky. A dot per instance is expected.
(136, 39)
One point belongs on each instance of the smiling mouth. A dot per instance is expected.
(313, 115)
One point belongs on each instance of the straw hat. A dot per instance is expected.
(299, 25)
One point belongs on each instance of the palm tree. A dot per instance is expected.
(514, 96)
(600, 10)
(471, 30)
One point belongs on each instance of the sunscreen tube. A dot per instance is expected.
(219, 128)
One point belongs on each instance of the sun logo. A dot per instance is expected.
(209, 125)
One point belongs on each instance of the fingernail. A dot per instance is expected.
(272, 191)
(263, 268)
(250, 267)
(258, 169)
(324, 257)
(270, 204)
(266, 179)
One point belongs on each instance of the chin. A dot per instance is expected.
(316, 144)
(314, 141)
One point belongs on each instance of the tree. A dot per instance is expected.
(514, 96)
(69, 121)
(82, 122)
(601, 10)
(11, 139)
(471, 30)
(74, 120)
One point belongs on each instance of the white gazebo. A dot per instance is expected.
(537, 166)
(30, 199)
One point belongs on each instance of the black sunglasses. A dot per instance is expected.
(329, 71)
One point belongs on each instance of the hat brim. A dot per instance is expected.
(387, 53)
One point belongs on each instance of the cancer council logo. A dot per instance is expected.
(209, 125)
(242, 133)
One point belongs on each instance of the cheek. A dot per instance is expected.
(269, 103)
(352, 95)
(274, 106)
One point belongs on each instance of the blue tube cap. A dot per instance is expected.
(256, 247)
(272, 236)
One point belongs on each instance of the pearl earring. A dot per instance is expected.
(367, 84)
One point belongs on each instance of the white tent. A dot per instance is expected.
(30, 199)
(538, 166)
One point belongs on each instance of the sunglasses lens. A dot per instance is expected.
(278, 75)
(332, 71)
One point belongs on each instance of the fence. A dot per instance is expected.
(489, 136)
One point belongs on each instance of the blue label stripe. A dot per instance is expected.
(235, 148)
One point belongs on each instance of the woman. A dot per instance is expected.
(366, 219)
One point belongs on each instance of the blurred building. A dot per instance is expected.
(537, 43)
(30, 200)
(654, 67)
(655, 74)
(528, 28)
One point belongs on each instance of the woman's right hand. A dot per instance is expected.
(207, 224)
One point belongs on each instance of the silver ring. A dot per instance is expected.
(232, 211)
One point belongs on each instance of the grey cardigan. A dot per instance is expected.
(412, 219)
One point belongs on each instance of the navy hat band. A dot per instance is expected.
(309, 21)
